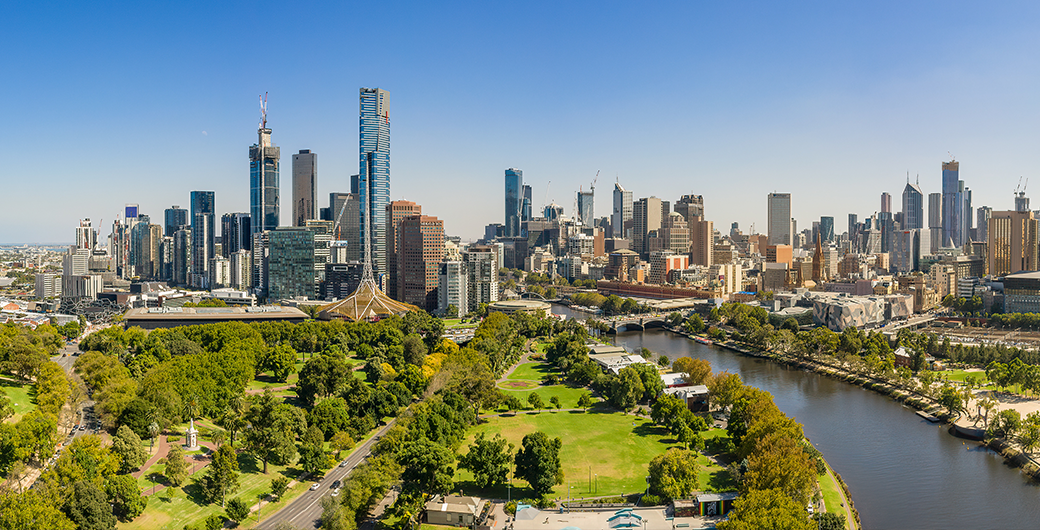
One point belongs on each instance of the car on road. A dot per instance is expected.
(314, 486)
(343, 464)
(335, 485)
(335, 492)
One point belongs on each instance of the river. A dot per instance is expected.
(902, 471)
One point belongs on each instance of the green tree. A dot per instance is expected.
(237, 510)
(780, 463)
(555, 401)
(695, 371)
(488, 460)
(625, 389)
(950, 398)
(6, 408)
(341, 441)
(653, 385)
(428, 467)
(313, 458)
(769, 509)
(279, 485)
(176, 467)
(535, 400)
(585, 401)
(273, 429)
(88, 507)
(221, 476)
(323, 376)
(37, 434)
(31, 510)
(673, 474)
(127, 446)
(214, 522)
(1005, 424)
(829, 521)
(279, 361)
(538, 462)
(125, 496)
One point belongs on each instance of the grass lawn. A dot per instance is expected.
(265, 381)
(712, 477)
(831, 495)
(959, 375)
(568, 395)
(531, 371)
(611, 449)
(22, 396)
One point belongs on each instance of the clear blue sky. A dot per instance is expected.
(104, 104)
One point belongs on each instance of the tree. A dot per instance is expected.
(341, 441)
(273, 429)
(125, 496)
(313, 458)
(214, 522)
(951, 399)
(555, 400)
(829, 521)
(414, 349)
(221, 476)
(31, 510)
(88, 507)
(176, 467)
(488, 460)
(237, 510)
(538, 462)
(428, 467)
(769, 509)
(279, 361)
(279, 485)
(585, 401)
(653, 385)
(127, 446)
(780, 463)
(1005, 424)
(6, 408)
(535, 400)
(625, 389)
(673, 474)
(724, 388)
(695, 371)
(323, 376)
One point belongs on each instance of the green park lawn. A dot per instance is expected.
(21, 396)
(612, 449)
(959, 375)
(568, 395)
(531, 371)
(831, 495)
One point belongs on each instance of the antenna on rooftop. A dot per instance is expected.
(263, 111)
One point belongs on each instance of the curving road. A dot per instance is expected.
(305, 511)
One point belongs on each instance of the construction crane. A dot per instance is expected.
(545, 201)
(596, 178)
(1019, 187)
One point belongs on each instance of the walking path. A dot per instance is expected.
(200, 461)
(850, 522)
(253, 391)
(525, 357)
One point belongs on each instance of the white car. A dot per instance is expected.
(335, 492)
(343, 464)
(314, 486)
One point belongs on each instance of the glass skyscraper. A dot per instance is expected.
(514, 201)
(175, 218)
(203, 236)
(263, 180)
(374, 175)
(827, 228)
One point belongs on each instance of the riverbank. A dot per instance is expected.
(1013, 454)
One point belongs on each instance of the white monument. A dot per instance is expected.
(191, 438)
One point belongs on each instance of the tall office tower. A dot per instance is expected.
(935, 221)
(854, 231)
(689, 206)
(913, 207)
(125, 252)
(827, 228)
(374, 176)
(166, 259)
(346, 228)
(1021, 202)
(886, 202)
(241, 270)
(422, 248)
(586, 213)
(648, 214)
(141, 247)
(887, 225)
(702, 241)
(263, 178)
(304, 186)
(622, 214)
(322, 246)
(396, 211)
(288, 264)
(552, 212)
(174, 218)
(453, 288)
(203, 231)
(236, 233)
(482, 266)
(675, 233)
(779, 219)
(182, 242)
(983, 213)
(525, 210)
(956, 203)
(86, 236)
(906, 250)
(1012, 243)
(514, 201)
(967, 212)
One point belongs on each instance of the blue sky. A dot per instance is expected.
(142, 102)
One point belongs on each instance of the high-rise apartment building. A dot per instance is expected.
(675, 232)
(482, 267)
(779, 218)
(827, 228)
(514, 201)
(586, 213)
(322, 247)
(648, 214)
(983, 214)
(1012, 243)
(621, 218)
(913, 207)
(86, 236)
(702, 241)
(182, 244)
(956, 206)
(236, 233)
(1021, 202)
(421, 250)
(344, 212)
(886, 202)
(374, 174)
(263, 179)
(289, 263)
(453, 288)
(935, 221)
(525, 210)
(396, 211)
(304, 187)
(174, 218)
(203, 232)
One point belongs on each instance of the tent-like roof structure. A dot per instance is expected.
(368, 302)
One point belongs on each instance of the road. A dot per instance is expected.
(305, 511)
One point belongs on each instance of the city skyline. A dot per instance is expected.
(870, 84)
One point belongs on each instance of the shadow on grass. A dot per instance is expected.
(648, 429)
(721, 480)
(248, 464)
(468, 487)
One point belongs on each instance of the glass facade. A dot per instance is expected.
(203, 234)
(374, 175)
(514, 201)
(290, 263)
(263, 183)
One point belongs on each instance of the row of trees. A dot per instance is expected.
(611, 305)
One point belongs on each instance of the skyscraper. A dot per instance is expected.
(304, 186)
(622, 211)
(236, 233)
(1012, 243)
(982, 222)
(374, 174)
(396, 211)
(913, 207)
(525, 210)
(86, 236)
(886, 202)
(174, 218)
(344, 212)
(935, 221)
(289, 263)
(827, 228)
(956, 201)
(779, 218)
(203, 236)
(586, 213)
(648, 214)
(422, 248)
(514, 201)
(689, 206)
(263, 178)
